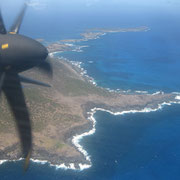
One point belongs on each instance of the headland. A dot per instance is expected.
(63, 114)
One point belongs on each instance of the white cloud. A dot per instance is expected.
(37, 4)
(91, 2)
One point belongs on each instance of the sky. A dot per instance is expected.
(44, 4)
(49, 12)
(10, 7)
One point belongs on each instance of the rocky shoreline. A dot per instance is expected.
(63, 114)
(70, 156)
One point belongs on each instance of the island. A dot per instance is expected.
(89, 34)
(63, 114)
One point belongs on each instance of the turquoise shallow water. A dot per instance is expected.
(134, 146)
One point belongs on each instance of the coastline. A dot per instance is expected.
(89, 34)
(89, 115)
(77, 138)
(78, 67)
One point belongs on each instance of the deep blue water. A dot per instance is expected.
(134, 146)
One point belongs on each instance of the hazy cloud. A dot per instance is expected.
(91, 2)
(37, 4)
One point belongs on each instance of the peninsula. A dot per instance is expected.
(90, 34)
(61, 112)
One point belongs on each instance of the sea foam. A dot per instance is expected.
(77, 138)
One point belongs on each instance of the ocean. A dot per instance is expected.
(132, 146)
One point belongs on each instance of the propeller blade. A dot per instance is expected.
(2, 76)
(17, 24)
(2, 26)
(32, 81)
(46, 67)
(15, 97)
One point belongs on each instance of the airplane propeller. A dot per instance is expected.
(35, 55)
(2, 27)
(17, 23)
